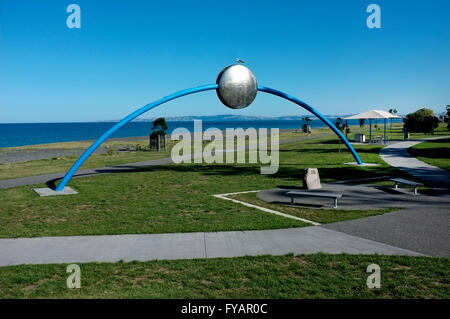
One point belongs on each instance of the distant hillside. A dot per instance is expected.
(232, 117)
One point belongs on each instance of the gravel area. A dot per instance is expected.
(25, 155)
(11, 155)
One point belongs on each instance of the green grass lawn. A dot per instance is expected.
(63, 163)
(395, 131)
(303, 276)
(167, 199)
(435, 152)
(176, 198)
(322, 216)
(284, 135)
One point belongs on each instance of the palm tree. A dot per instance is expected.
(392, 111)
(340, 125)
(447, 109)
(306, 127)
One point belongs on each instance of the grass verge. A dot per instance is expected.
(434, 152)
(62, 164)
(303, 276)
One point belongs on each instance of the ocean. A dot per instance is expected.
(41, 133)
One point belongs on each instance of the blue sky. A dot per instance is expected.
(129, 53)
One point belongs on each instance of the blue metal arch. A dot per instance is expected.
(176, 95)
(316, 113)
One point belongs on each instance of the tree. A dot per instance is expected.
(341, 126)
(158, 138)
(422, 121)
(447, 117)
(306, 128)
(159, 126)
(361, 122)
(393, 112)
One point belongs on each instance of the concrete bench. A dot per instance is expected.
(335, 196)
(406, 182)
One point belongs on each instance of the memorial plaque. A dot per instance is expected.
(311, 179)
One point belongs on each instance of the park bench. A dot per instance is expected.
(335, 196)
(406, 182)
(376, 139)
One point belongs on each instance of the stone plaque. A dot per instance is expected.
(311, 179)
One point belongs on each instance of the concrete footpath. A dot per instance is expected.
(113, 248)
(421, 229)
(397, 155)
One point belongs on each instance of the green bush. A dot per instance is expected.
(159, 126)
(447, 117)
(422, 121)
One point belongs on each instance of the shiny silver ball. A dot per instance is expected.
(237, 86)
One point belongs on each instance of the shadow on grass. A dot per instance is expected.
(289, 172)
(435, 152)
(439, 141)
(374, 150)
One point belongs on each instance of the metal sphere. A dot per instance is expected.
(237, 86)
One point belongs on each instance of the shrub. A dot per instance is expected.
(422, 121)
(447, 117)
(159, 126)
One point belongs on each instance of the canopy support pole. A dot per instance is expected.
(346, 129)
(405, 129)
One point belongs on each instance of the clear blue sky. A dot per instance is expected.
(129, 53)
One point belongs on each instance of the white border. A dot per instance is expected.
(267, 210)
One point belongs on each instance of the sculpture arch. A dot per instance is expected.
(88, 152)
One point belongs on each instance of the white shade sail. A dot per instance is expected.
(374, 114)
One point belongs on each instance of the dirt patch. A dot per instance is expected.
(16, 156)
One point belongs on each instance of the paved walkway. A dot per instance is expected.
(420, 229)
(307, 240)
(397, 155)
(358, 197)
(422, 225)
